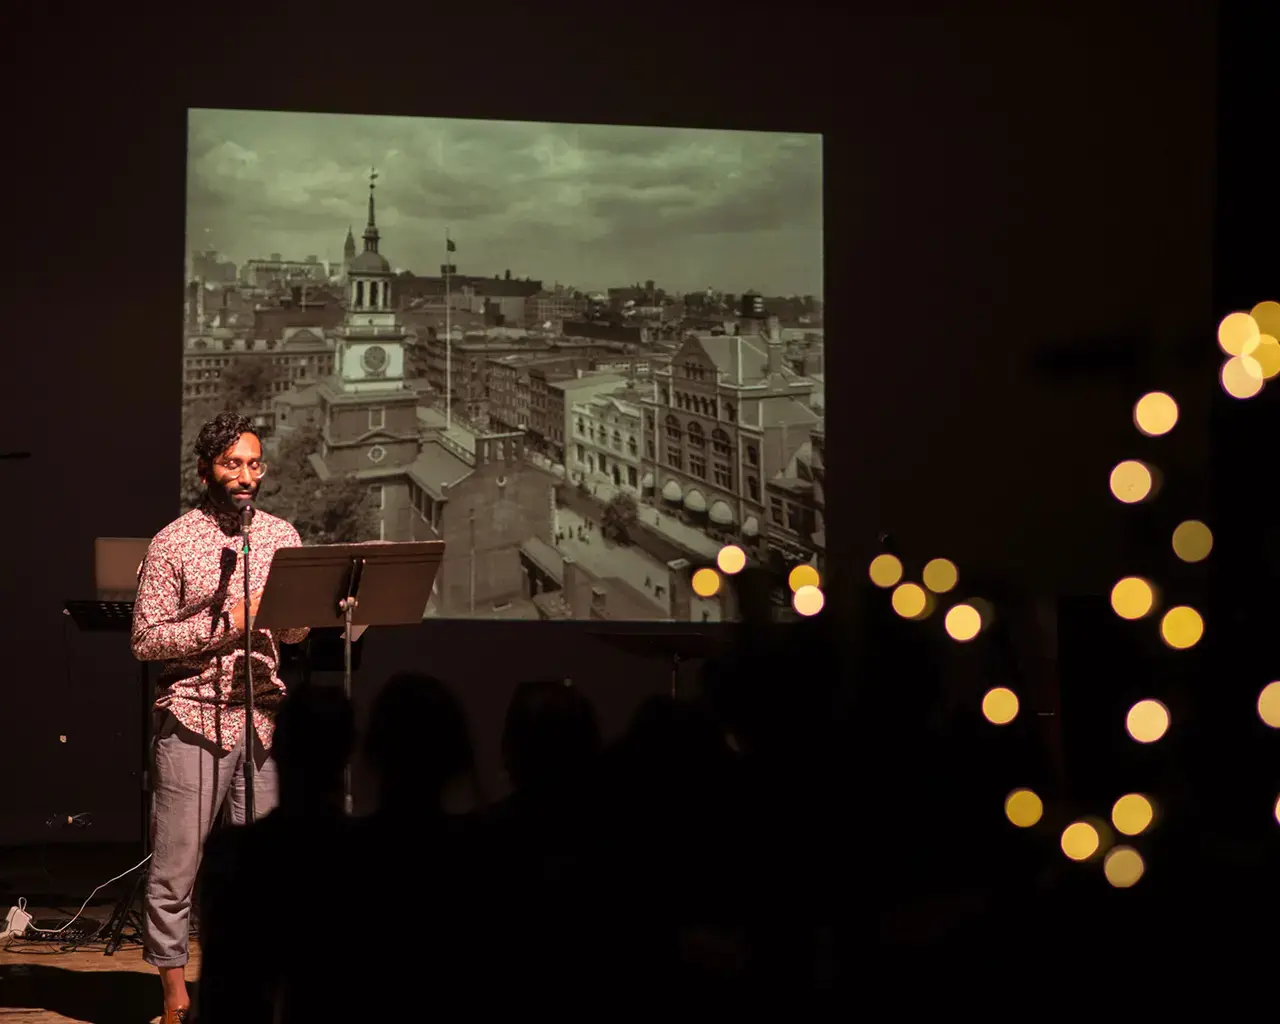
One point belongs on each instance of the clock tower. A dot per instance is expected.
(368, 410)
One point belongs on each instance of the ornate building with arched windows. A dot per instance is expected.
(727, 423)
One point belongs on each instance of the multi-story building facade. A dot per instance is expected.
(726, 416)
(299, 356)
(277, 271)
(606, 440)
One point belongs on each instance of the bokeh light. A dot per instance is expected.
(1080, 840)
(1023, 808)
(1269, 705)
(909, 600)
(1131, 481)
(885, 571)
(1123, 866)
(1241, 377)
(1267, 316)
(1000, 705)
(963, 622)
(1182, 627)
(1132, 814)
(803, 575)
(1132, 597)
(1192, 541)
(731, 559)
(808, 601)
(940, 575)
(1277, 810)
(1267, 356)
(1238, 334)
(1147, 721)
(1155, 414)
(706, 582)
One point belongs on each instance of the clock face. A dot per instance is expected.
(374, 359)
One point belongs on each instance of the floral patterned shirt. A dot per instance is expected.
(191, 578)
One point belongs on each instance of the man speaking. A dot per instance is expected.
(187, 617)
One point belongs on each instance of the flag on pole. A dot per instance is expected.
(449, 246)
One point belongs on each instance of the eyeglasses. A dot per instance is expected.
(234, 466)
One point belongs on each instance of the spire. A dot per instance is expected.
(349, 247)
(371, 229)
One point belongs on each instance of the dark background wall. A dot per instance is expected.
(1001, 194)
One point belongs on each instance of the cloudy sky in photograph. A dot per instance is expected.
(586, 205)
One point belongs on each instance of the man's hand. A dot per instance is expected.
(237, 613)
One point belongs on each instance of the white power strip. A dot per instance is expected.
(15, 923)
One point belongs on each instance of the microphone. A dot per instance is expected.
(245, 504)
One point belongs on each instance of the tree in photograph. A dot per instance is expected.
(244, 386)
(619, 518)
(333, 511)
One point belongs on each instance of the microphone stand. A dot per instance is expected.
(250, 732)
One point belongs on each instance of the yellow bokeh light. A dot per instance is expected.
(885, 571)
(1267, 356)
(1147, 721)
(803, 576)
(1241, 377)
(1182, 627)
(1132, 814)
(1080, 840)
(1155, 414)
(1132, 598)
(986, 611)
(909, 600)
(1267, 316)
(940, 575)
(1000, 705)
(731, 559)
(963, 622)
(1269, 705)
(1238, 334)
(1192, 541)
(808, 601)
(1023, 808)
(1131, 481)
(1123, 866)
(1278, 810)
(706, 582)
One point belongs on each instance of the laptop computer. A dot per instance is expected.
(116, 564)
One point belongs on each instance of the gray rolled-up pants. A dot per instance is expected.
(193, 779)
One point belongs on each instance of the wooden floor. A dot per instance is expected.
(42, 982)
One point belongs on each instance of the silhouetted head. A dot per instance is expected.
(418, 742)
(550, 733)
(314, 736)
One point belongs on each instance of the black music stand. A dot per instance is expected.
(117, 617)
(345, 585)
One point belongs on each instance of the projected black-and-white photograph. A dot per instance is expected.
(586, 357)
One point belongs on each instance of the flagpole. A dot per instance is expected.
(448, 340)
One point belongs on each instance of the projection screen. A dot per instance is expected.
(584, 356)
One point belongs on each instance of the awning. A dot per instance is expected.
(750, 527)
(720, 513)
(695, 502)
(647, 481)
(671, 491)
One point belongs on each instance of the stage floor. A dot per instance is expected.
(42, 982)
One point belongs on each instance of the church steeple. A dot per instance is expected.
(349, 246)
(371, 229)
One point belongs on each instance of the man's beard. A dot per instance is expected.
(223, 496)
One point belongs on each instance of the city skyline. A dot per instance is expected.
(590, 206)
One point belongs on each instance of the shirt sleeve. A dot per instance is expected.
(292, 636)
(159, 632)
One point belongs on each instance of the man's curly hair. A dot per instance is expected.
(220, 433)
